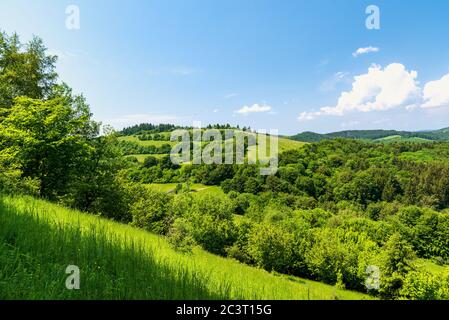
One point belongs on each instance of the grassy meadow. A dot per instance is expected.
(193, 187)
(284, 144)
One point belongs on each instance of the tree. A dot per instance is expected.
(150, 162)
(397, 261)
(25, 70)
(150, 209)
(212, 221)
(49, 139)
(97, 187)
(271, 247)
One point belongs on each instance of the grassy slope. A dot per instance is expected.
(141, 157)
(284, 144)
(146, 142)
(39, 239)
(195, 187)
(397, 138)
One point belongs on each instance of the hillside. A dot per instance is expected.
(133, 146)
(38, 240)
(393, 135)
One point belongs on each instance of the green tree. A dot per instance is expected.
(397, 261)
(150, 162)
(271, 247)
(48, 140)
(25, 70)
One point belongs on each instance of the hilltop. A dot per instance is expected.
(376, 135)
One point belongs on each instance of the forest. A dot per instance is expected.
(334, 208)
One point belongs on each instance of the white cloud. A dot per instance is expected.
(379, 89)
(436, 93)
(231, 95)
(255, 108)
(365, 50)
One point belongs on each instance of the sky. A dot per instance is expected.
(288, 65)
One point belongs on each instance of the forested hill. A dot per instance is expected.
(381, 135)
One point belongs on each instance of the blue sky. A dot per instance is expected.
(269, 64)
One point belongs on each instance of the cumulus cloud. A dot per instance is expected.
(365, 50)
(378, 89)
(255, 108)
(436, 93)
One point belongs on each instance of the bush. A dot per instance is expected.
(212, 221)
(11, 183)
(150, 162)
(397, 261)
(419, 285)
(151, 211)
(271, 248)
(340, 256)
(180, 236)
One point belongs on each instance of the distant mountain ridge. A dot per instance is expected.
(431, 135)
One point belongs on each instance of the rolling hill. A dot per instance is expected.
(379, 135)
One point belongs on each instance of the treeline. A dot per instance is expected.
(153, 130)
(153, 137)
(148, 128)
(436, 135)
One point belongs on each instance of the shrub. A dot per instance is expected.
(271, 248)
(150, 162)
(180, 236)
(151, 211)
(212, 220)
(419, 285)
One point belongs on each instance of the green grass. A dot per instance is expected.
(284, 144)
(146, 142)
(38, 240)
(432, 267)
(142, 157)
(194, 187)
(398, 138)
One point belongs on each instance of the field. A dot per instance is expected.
(141, 157)
(39, 240)
(194, 187)
(398, 138)
(284, 144)
(155, 143)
